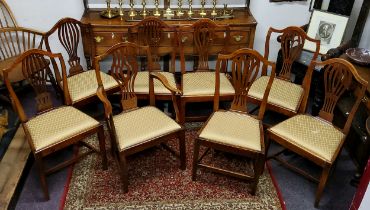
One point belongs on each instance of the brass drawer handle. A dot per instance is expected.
(98, 39)
(238, 38)
(125, 38)
(184, 39)
(365, 99)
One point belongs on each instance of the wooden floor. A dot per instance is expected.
(11, 167)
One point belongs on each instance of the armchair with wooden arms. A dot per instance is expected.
(81, 84)
(285, 96)
(198, 42)
(52, 128)
(136, 129)
(316, 138)
(153, 32)
(236, 131)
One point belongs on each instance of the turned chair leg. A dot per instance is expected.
(181, 136)
(324, 178)
(259, 165)
(103, 153)
(124, 172)
(195, 160)
(40, 166)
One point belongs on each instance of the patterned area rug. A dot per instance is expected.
(156, 182)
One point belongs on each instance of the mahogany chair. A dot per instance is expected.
(52, 128)
(286, 97)
(236, 131)
(136, 129)
(316, 138)
(81, 84)
(7, 19)
(199, 42)
(153, 32)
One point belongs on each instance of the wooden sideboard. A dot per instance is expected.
(107, 32)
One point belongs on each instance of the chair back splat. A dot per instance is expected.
(246, 67)
(7, 19)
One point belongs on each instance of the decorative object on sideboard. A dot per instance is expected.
(144, 12)
(179, 13)
(327, 27)
(109, 13)
(132, 13)
(169, 13)
(359, 55)
(190, 12)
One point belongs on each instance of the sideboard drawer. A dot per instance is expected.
(109, 38)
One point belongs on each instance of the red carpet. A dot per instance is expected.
(156, 182)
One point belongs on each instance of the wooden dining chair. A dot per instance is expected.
(81, 84)
(153, 32)
(52, 128)
(7, 19)
(234, 130)
(199, 42)
(286, 97)
(316, 138)
(136, 129)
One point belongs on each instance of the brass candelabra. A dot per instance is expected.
(179, 9)
(156, 12)
(132, 12)
(144, 13)
(190, 12)
(202, 9)
(109, 13)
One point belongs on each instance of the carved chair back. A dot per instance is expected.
(7, 19)
(15, 41)
(36, 70)
(71, 33)
(245, 66)
(340, 80)
(154, 33)
(201, 40)
(292, 40)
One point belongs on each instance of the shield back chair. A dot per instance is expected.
(154, 33)
(200, 41)
(81, 84)
(286, 97)
(7, 19)
(52, 128)
(316, 138)
(236, 131)
(136, 129)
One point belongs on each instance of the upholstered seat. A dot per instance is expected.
(138, 126)
(203, 83)
(234, 129)
(84, 85)
(57, 125)
(311, 134)
(142, 83)
(283, 93)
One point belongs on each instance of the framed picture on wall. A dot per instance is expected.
(327, 27)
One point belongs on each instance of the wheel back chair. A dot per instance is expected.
(316, 138)
(52, 128)
(136, 129)
(236, 131)
(7, 19)
(286, 97)
(154, 33)
(81, 84)
(200, 41)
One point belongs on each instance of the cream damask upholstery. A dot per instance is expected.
(83, 85)
(142, 83)
(234, 129)
(282, 93)
(311, 134)
(55, 126)
(203, 83)
(140, 125)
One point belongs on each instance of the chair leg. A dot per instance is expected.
(259, 165)
(40, 166)
(182, 148)
(322, 183)
(124, 172)
(267, 144)
(182, 112)
(103, 152)
(195, 160)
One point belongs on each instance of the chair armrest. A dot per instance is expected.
(164, 81)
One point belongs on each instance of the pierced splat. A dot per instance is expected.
(204, 33)
(337, 79)
(36, 70)
(244, 70)
(69, 37)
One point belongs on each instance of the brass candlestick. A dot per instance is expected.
(202, 10)
(156, 13)
(214, 11)
(109, 13)
(179, 10)
(227, 14)
(120, 3)
(190, 12)
(132, 10)
(144, 12)
(169, 14)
